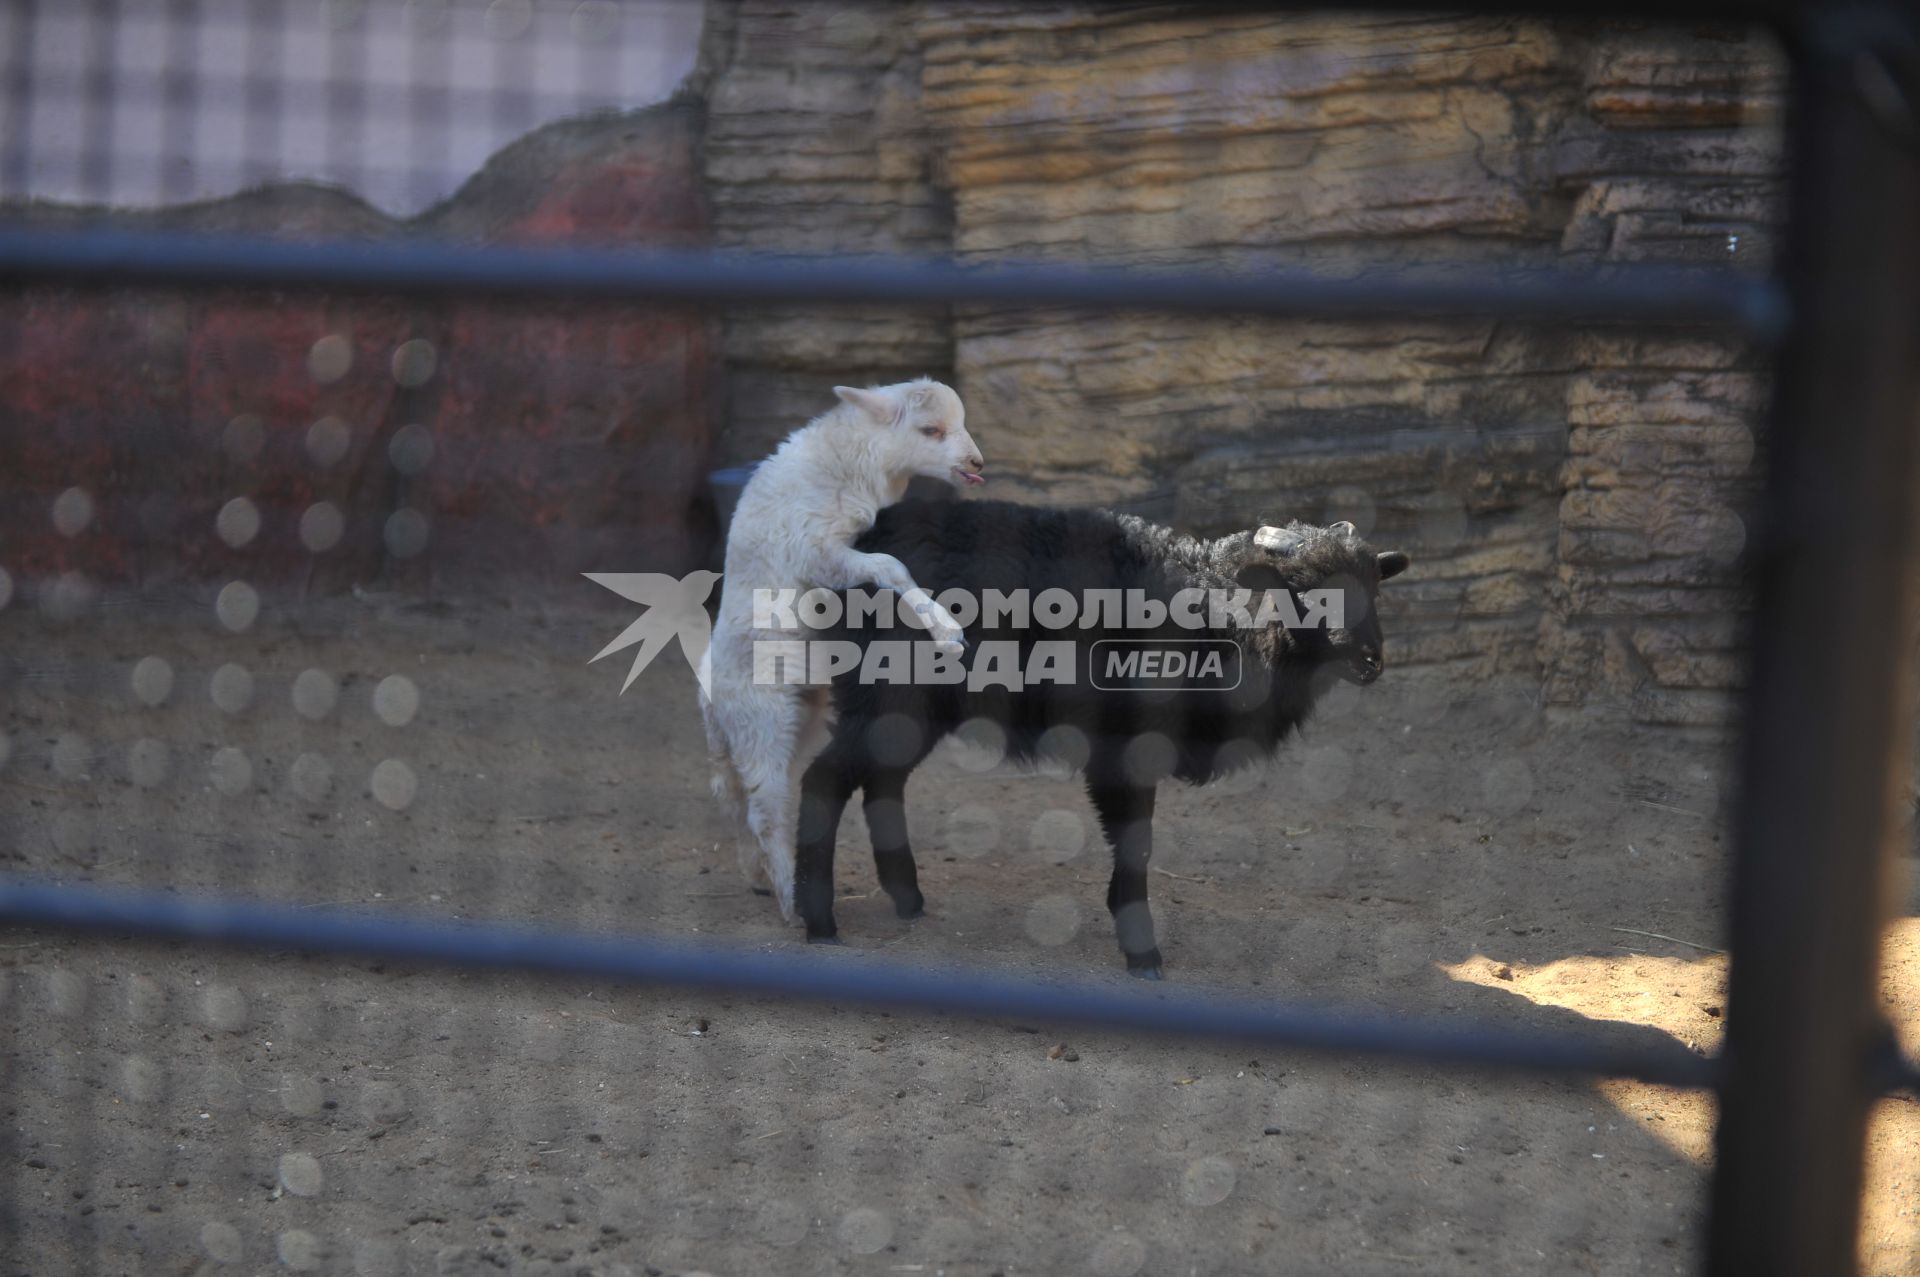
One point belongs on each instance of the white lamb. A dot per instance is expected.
(794, 528)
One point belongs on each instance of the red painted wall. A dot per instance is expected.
(563, 438)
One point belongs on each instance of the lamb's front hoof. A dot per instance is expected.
(911, 908)
(836, 940)
(1145, 966)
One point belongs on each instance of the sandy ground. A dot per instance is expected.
(1429, 847)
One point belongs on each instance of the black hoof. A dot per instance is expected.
(761, 891)
(1145, 966)
(825, 940)
(1145, 973)
(914, 908)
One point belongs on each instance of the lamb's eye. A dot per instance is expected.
(933, 432)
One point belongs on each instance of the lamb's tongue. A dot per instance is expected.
(973, 478)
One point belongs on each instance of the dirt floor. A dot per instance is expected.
(1429, 847)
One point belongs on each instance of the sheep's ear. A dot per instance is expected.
(1342, 529)
(871, 402)
(1277, 540)
(1393, 563)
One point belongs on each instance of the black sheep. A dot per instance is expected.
(1126, 738)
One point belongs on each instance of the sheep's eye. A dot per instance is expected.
(933, 432)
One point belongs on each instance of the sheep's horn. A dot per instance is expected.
(1342, 528)
(1277, 540)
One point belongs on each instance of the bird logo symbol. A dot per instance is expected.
(676, 608)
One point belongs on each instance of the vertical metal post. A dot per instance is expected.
(1829, 711)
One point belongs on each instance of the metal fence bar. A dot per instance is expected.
(1832, 641)
(845, 977)
(123, 259)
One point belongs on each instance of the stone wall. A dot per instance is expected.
(1572, 498)
(817, 142)
(1675, 156)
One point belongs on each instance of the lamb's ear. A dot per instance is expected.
(1277, 540)
(871, 402)
(1342, 529)
(1393, 563)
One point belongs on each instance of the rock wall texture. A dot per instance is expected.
(1572, 497)
(817, 142)
(335, 441)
